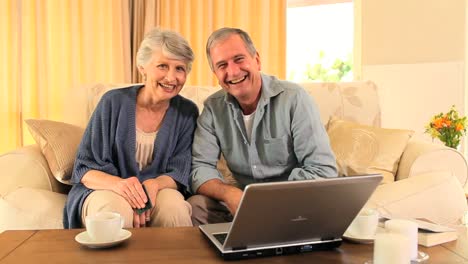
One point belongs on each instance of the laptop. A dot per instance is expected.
(279, 218)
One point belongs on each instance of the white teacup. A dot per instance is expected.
(364, 224)
(104, 226)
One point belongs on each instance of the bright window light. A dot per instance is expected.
(320, 42)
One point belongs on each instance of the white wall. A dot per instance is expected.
(412, 31)
(415, 52)
(410, 94)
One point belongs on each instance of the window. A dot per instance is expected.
(319, 40)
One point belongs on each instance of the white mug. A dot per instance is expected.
(364, 224)
(391, 248)
(104, 226)
(406, 228)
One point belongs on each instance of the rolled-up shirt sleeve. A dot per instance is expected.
(310, 139)
(205, 151)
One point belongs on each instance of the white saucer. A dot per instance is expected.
(360, 240)
(84, 239)
(421, 258)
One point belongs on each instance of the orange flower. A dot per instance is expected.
(438, 123)
(447, 122)
(459, 127)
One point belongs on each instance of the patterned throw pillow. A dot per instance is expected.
(58, 143)
(361, 149)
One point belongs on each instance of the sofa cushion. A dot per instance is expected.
(58, 142)
(29, 208)
(361, 149)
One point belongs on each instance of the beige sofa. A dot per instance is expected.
(428, 180)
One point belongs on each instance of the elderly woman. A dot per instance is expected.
(140, 135)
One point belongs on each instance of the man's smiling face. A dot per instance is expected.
(238, 72)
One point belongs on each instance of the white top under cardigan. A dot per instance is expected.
(144, 147)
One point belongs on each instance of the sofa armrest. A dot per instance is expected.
(435, 196)
(27, 167)
(422, 156)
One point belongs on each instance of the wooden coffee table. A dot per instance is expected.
(459, 246)
(177, 245)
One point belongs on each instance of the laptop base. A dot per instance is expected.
(294, 224)
(246, 254)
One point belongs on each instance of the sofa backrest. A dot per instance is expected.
(353, 101)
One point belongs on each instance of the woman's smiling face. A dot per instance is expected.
(165, 76)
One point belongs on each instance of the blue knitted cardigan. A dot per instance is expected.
(108, 145)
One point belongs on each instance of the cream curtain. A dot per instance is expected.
(264, 20)
(9, 77)
(55, 45)
(145, 16)
(50, 46)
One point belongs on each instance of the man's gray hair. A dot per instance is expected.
(222, 34)
(171, 43)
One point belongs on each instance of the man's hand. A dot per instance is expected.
(221, 191)
(232, 199)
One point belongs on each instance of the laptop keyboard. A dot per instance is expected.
(221, 237)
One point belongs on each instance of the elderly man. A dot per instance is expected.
(266, 129)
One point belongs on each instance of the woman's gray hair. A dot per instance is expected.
(171, 43)
(224, 33)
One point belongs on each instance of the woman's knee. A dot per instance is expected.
(108, 201)
(171, 209)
